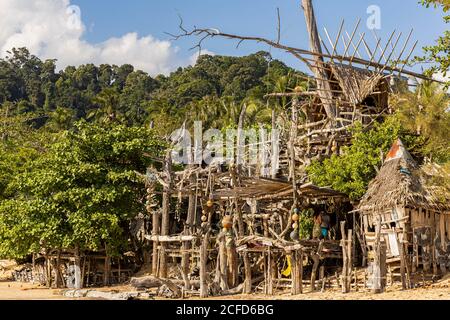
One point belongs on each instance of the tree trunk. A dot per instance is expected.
(58, 278)
(188, 229)
(165, 223)
(155, 232)
(323, 86)
(48, 273)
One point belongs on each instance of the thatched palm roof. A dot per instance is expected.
(401, 182)
(356, 83)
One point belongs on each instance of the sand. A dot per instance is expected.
(26, 291)
(439, 291)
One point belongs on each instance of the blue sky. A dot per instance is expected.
(118, 32)
(105, 19)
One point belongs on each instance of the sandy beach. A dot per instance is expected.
(438, 291)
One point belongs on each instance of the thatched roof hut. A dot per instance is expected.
(357, 84)
(402, 183)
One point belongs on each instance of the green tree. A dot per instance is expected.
(425, 112)
(352, 171)
(81, 193)
(108, 107)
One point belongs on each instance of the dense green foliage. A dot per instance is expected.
(351, 171)
(71, 141)
(214, 88)
(81, 191)
(306, 224)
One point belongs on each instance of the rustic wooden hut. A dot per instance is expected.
(403, 212)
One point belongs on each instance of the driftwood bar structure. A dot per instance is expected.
(231, 227)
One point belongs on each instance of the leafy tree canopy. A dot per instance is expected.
(81, 192)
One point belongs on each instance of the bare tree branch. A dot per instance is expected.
(206, 33)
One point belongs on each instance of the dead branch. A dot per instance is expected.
(206, 33)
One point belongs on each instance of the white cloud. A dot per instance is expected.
(53, 29)
(193, 59)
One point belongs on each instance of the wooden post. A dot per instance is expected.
(203, 264)
(77, 264)
(337, 279)
(379, 265)
(119, 266)
(275, 147)
(300, 269)
(269, 278)
(164, 232)
(223, 262)
(83, 270)
(248, 273)
(232, 265)
(344, 276)
(47, 265)
(383, 269)
(415, 259)
(88, 272)
(58, 278)
(188, 228)
(165, 220)
(240, 143)
(292, 141)
(316, 259)
(155, 232)
(355, 231)
(365, 279)
(295, 273)
(426, 258)
(322, 278)
(107, 272)
(349, 260)
(402, 262)
(443, 244)
(33, 260)
(433, 258)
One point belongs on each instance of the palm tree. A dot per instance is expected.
(108, 110)
(426, 112)
(61, 119)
